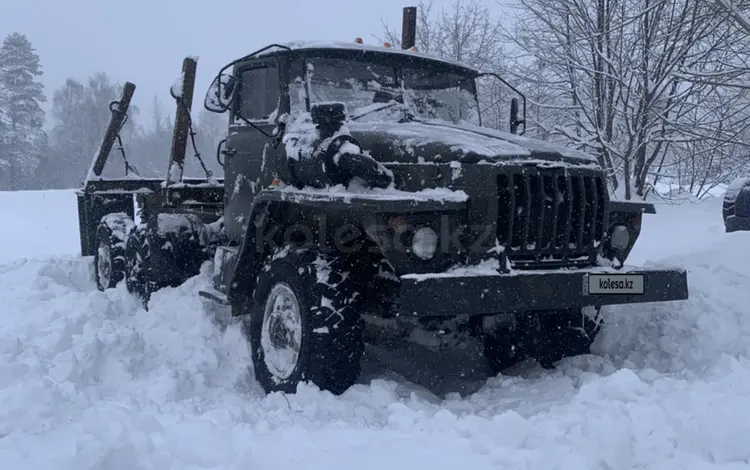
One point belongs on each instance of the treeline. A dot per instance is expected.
(32, 157)
(79, 117)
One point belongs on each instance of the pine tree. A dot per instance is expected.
(21, 96)
(4, 157)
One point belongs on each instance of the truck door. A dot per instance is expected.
(258, 102)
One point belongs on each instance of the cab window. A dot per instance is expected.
(259, 93)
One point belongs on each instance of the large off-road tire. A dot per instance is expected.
(138, 265)
(109, 257)
(567, 334)
(546, 337)
(304, 324)
(165, 252)
(502, 350)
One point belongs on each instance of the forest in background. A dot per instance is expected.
(58, 157)
(656, 89)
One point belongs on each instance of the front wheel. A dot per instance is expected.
(546, 337)
(304, 324)
(502, 350)
(568, 333)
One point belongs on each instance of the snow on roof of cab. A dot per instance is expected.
(301, 45)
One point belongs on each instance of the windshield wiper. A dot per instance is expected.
(406, 112)
(374, 108)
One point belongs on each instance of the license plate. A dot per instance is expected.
(609, 284)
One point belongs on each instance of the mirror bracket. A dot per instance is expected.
(515, 121)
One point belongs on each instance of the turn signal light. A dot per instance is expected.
(387, 44)
(397, 222)
(635, 222)
(358, 40)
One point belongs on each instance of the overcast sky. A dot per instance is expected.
(144, 41)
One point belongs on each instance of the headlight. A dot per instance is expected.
(619, 239)
(425, 242)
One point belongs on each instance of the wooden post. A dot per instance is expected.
(119, 111)
(182, 121)
(409, 28)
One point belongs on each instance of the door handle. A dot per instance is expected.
(224, 152)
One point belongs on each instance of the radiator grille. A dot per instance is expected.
(550, 217)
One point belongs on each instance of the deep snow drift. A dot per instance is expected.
(90, 380)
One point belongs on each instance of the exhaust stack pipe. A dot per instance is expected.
(409, 28)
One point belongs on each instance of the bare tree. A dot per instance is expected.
(467, 32)
(615, 73)
(80, 113)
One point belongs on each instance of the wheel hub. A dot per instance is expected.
(281, 333)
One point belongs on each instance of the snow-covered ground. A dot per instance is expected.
(89, 380)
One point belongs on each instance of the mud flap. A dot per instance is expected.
(178, 245)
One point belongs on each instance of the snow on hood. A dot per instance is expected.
(533, 145)
(346, 193)
(412, 141)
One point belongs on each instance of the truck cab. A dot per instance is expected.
(385, 92)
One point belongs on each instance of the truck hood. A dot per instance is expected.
(416, 141)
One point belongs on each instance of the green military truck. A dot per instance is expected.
(361, 192)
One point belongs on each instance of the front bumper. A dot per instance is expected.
(446, 294)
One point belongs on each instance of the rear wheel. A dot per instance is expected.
(138, 257)
(165, 252)
(109, 257)
(304, 323)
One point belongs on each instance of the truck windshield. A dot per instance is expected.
(375, 91)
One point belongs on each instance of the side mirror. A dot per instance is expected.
(220, 93)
